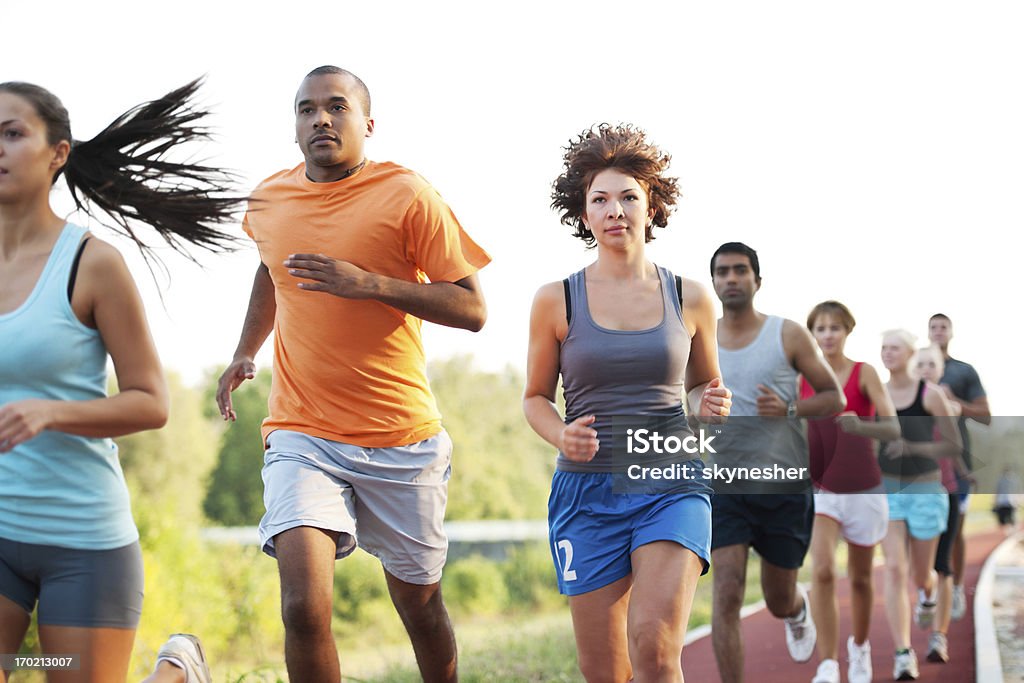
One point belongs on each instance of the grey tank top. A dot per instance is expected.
(621, 372)
(754, 439)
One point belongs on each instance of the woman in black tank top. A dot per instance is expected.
(918, 505)
(626, 347)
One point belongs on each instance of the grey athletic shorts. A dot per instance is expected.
(388, 501)
(85, 588)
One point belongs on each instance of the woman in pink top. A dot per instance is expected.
(848, 498)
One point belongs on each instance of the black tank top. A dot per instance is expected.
(917, 425)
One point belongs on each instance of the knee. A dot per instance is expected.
(824, 576)
(727, 603)
(860, 583)
(422, 610)
(655, 650)
(305, 613)
(780, 600)
(597, 671)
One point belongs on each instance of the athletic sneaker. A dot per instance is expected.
(905, 667)
(959, 603)
(800, 632)
(828, 672)
(924, 612)
(938, 648)
(186, 652)
(860, 661)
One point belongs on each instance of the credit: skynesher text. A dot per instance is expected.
(717, 473)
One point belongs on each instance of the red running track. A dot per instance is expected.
(768, 661)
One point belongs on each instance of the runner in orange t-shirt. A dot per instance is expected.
(355, 254)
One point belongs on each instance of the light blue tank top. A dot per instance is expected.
(58, 489)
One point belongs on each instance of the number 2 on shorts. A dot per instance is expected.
(568, 574)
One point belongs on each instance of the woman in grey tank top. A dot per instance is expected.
(625, 342)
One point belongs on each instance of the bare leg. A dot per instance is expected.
(824, 604)
(14, 622)
(426, 621)
(779, 588)
(305, 561)
(730, 580)
(599, 624)
(897, 605)
(664, 579)
(862, 590)
(104, 652)
(959, 552)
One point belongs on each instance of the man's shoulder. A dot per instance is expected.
(284, 176)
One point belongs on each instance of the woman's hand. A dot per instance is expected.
(23, 420)
(578, 441)
(715, 402)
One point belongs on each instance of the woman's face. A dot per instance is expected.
(27, 160)
(830, 334)
(895, 353)
(616, 209)
(929, 365)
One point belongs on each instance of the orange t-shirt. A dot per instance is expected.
(354, 370)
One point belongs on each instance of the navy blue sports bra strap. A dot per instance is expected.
(74, 268)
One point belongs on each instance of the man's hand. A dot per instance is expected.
(769, 404)
(240, 370)
(23, 420)
(325, 274)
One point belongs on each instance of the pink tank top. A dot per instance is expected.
(841, 462)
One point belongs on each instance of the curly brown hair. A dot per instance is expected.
(625, 149)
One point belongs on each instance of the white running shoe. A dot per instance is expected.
(905, 666)
(860, 661)
(924, 611)
(828, 672)
(959, 603)
(186, 652)
(938, 648)
(800, 632)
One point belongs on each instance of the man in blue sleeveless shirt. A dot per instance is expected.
(761, 357)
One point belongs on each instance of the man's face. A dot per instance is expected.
(940, 331)
(330, 125)
(734, 281)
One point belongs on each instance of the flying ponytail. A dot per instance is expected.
(125, 173)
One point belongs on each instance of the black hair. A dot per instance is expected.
(364, 92)
(738, 248)
(124, 172)
(941, 316)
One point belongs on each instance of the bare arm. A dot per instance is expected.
(705, 397)
(978, 410)
(828, 398)
(105, 295)
(887, 427)
(548, 328)
(453, 304)
(259, 323)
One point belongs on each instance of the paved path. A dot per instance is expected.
(767, 660)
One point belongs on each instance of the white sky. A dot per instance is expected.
(871, 152)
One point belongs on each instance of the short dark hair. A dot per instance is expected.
(623, 148)
(364, 92)
(738, 248)
(941, 316)
(835, 309)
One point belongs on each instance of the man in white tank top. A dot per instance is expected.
(761, 357)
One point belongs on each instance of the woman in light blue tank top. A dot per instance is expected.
(68, 545)
(626, 344)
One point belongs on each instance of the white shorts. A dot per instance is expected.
(388, 501)
(863, 518)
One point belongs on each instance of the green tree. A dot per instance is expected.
(166, 469)
(234, 494)
(500, 468)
